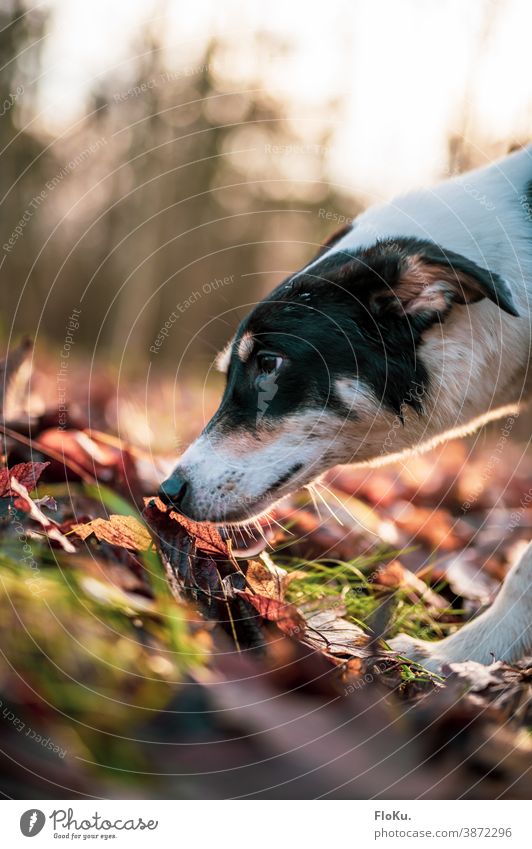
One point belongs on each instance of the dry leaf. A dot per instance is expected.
(437, 528)
(27, 474)
(477, 676)
(394, 575)
(286, 616)
(207, 537)
(264, 581)
(329, 632)
(124, 531)
(14, 376)
(467, 578)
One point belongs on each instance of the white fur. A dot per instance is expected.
(236, 474)
(481, 362)
(357, 397)
(494, 235)
(503, 632)
(478, 362)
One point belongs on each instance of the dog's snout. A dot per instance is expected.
(173, 490)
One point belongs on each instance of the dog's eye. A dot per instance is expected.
(268, 363)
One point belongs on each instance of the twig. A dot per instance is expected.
(50, 452)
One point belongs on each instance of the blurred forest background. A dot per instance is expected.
(186, 160)
(164, 165)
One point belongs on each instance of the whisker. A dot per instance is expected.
(328, 506)
(312, 492)
(279, 525)
(237, 529)
(257, 525)
(268, 519)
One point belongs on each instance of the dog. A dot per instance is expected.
(417, 314)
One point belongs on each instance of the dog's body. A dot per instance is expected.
(417, 315)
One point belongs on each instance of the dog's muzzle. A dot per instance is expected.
(246, 541)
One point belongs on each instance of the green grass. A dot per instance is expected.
(362, 598)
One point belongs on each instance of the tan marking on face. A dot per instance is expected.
(245, 347)
(223, 358)
(240, 442)
(237, 442)
(357, 397)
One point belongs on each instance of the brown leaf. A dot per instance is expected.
(124, 531)
(395, 575)
(27, 474)
(207, 537)
(435, 527)
(120, 569)
(377, 487)
(268, 582)
(86, 457)
(313, 538)
(286, 616)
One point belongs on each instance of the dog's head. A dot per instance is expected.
(322, 370)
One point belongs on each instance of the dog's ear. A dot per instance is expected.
(428, 281)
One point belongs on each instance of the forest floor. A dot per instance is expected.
(142, 656)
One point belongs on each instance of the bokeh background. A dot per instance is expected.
(148, 149)
(162, 166)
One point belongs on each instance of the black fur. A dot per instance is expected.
(333, 320)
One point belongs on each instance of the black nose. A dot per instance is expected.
(172, 490)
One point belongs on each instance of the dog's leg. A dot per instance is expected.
(503, 632)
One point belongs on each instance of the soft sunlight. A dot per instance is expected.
(470, 59)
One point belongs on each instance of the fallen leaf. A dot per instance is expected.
(467, 578)
(124, 531)
(329, 632)
(477, 676)
(50, 528)
(116, 566)
(433, 526)
(74, 451)
(206, 536)
(394, 575)
(377, 487)
(82, 454)
(264, 580)
(27, 474)
(286, 616)
(46, 501)
(312, 537)
(14, 376)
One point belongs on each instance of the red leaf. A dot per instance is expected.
(26, 473)
(207, 537)
(286, 616)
